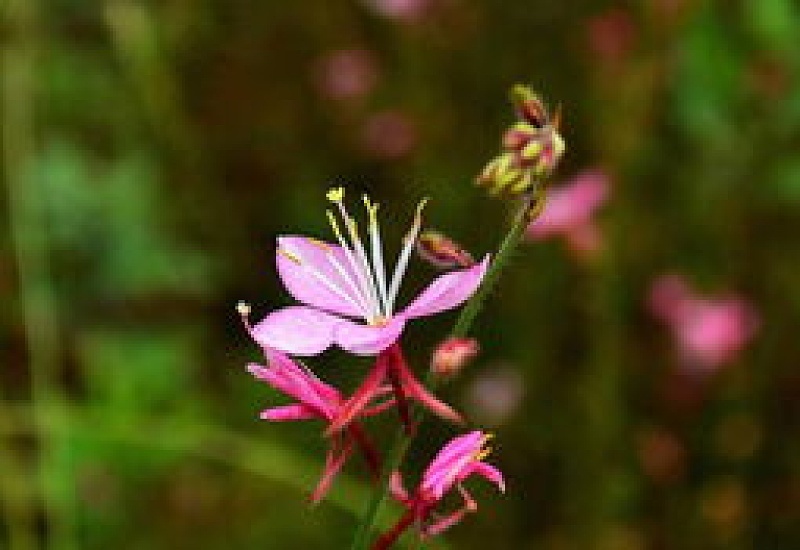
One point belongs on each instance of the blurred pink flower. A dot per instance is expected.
(494, 396)
(389, 135)
(346, 74)
(406, 11)
(569, 211)
(461, 458)
(709, 332)
(611, 36)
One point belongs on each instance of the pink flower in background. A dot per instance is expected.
(316, 400)
(461, 458)
(569, 212)
(709, 332)
(611, 36)
(340, 283)
(494, 396)
(406, 11)
(346, 74)
(389, 135)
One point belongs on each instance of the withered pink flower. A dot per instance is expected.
(709, 332)
(461, 458)
(346, 74)
(316, 400)
(569, 212)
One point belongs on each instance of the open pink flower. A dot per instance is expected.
(316, 400)
(708, 332)
(458, 460)
(341, 283)
(569, 211)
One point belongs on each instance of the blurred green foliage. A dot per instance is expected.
(171, 141)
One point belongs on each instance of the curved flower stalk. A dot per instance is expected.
(342, 283)
(316, 400)
(461, 458)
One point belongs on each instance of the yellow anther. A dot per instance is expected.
(372, 210)
(243, 308)
(290, 255)
(335, 194)
(486, 437)
(483, 453)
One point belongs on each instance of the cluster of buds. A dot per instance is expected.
(531, 148)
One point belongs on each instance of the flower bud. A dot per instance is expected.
(441, 251)
(529, 106)
(452, 355)
(531, 148)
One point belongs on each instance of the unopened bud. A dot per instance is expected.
(441, 251)
(452, 355)
(529, 106)
(531, 148)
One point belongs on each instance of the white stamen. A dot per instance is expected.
(377, 252)
(371, 311)
(405, 254)
(348, 279)
(361, 255)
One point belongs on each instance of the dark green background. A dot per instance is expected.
(158, 147)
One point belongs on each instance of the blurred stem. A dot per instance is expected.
(30, 243)
(402, 442)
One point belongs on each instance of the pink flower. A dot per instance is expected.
(569, 211)
(708, 332)
(388, 135)
(458, 460)
(340, 283)
(315, 400)
(408, 11)
(347, 74)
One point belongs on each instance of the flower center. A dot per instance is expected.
(360, 278)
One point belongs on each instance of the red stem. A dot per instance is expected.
(390, 537)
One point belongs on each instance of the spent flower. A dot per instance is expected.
(316, 400)
(461, 458)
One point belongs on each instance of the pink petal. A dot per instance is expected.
(571, 205)
(468, 444)
(363, 339)
(491, 473)
(296, 330)
(303, 285)
(447, 291)
(325, 391)
(295, 411)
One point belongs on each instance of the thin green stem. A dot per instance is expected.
(30, 243)
(402, 442)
